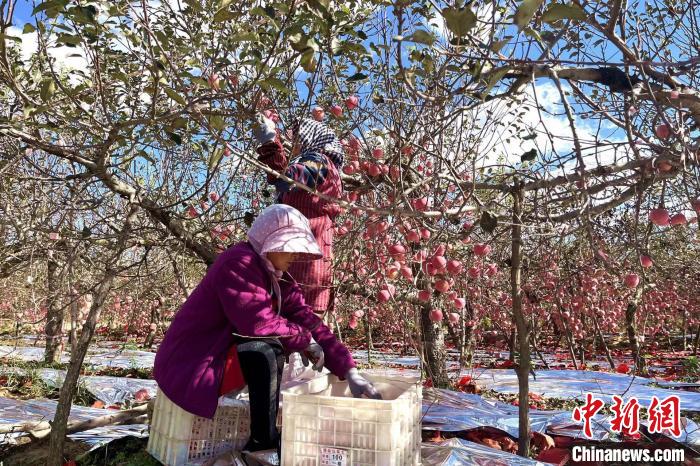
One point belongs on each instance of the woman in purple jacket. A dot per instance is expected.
(246, 298)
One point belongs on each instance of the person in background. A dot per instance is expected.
(316, 160)
(241, 321)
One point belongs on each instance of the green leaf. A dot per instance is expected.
(308, 62)
(224, 14)
(488, 222)
(529, 156)
(176, 138)
(244, 37)
(498, 45)
(48, 88)
(51, 4)
(28, 111)
(275, 83)
(69, 39)
(175, 96)
(494, 78)
(421, 36)
(215, 158)
(12, 38)
(217, 122)
(28, 28)
(558, 11)
(224, 3)
(357, 77)
(459, 20)
(525, 12)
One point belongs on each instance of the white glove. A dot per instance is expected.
(264, 129)
(360, 386)
(314, 353)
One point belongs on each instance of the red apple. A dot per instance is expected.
(213, 196)
(646, 261)
(214, 83)
(632, 280)
(420, 204)
(378, 153)
(396, 250)
(424, 295)
(383, 296)
(474, 272)
(460, 303)
(337, 111)
(453, 317)
(454, 267)
(436, 315)
(439, 262)
(678, 219)
(413, 236)
(482, 249)
(318, 114)
(351, 102)
(349, 169)
(442, 286)
(662, 131)
(659, 217)
(407, 273)
(374, 170)
(425, 233)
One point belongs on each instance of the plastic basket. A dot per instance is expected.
(180, 438)
(323, 425)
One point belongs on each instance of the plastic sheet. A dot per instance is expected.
(458, 452)
(100, 357)
(110, 390)
(123, 359)
(575, 384)
(447, 411)
(18, 411)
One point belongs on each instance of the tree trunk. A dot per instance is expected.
(523, 369)
(608, 356)
(69, 387)
(630, 319)
(153, 329)
(685, 329)
(54, 315)
(434, 349)
(512, 343)
(368, 338)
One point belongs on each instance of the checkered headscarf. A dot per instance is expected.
(317, 137)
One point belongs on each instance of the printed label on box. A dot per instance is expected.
(333, 457)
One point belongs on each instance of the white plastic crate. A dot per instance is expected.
(323, 425)
(180, 438)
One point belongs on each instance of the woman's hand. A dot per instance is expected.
(264, 129)
(313, 353)
(360, 386)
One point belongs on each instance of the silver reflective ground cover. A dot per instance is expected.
(458, 452)
(18, 411)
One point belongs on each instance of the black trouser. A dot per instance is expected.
(262, 361)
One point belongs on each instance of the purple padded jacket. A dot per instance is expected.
(235, 296)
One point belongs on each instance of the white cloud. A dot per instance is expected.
(542, 114)
(66, 58)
